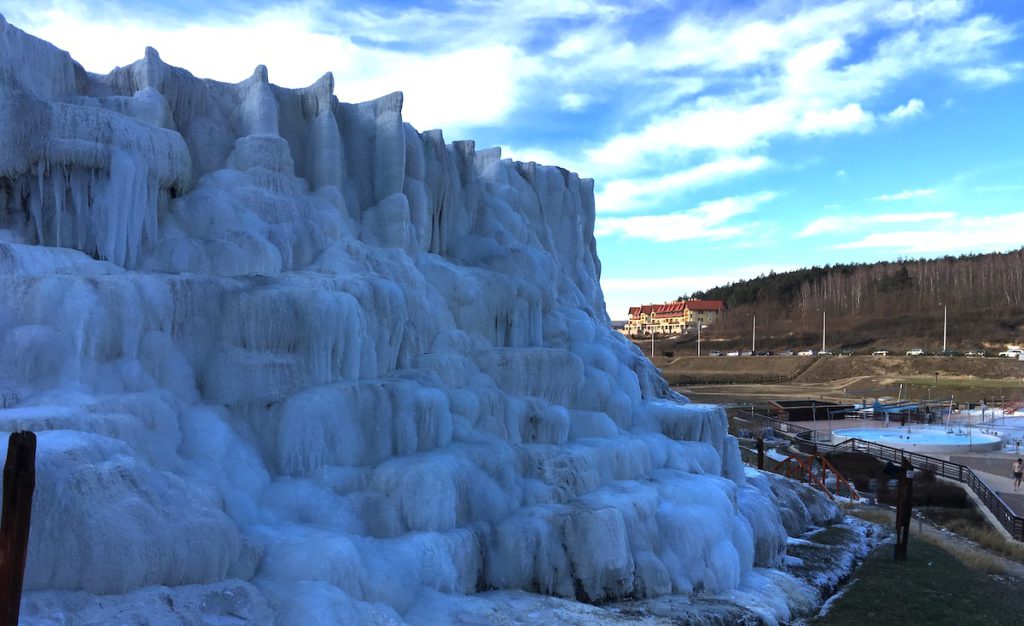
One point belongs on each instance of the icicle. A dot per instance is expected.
(60, 190)
(35, 203)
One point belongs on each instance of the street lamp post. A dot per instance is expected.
(699, 326)
(943, 328)
(753, 332)
(823, 330)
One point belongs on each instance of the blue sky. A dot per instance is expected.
(726, 139)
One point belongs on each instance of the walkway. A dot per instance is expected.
(994, 469)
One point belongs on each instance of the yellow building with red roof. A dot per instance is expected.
(672, 318)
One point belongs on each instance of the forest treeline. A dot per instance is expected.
(983, 295)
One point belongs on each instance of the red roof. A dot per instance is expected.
(669, 309)
(673, 309)
(705, 305)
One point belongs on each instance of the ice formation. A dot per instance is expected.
(292, 361)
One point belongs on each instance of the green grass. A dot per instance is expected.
(931, 587)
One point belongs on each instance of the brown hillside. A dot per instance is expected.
(892, 305)
(763, 369)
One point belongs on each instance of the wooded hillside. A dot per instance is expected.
(898, 303)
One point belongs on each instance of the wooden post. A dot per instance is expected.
(19, 483)
(904, 497)
(760, 452)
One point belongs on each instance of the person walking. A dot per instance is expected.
(1018, 471)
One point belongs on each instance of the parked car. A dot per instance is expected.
(747, 353)
(824, 353)
(787, 353)
(845, 353)
(1013, 353)
(715, 353)
(805, 353)
(733, 353)
(975, 353)
(880, 353)
(763, 353)
(951, 353)
(915, 352)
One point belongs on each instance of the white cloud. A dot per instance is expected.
(850, 223)
(841, 173)
(825, 225)
(912, 108)
(991, 75)
(908, 10)
(450, 88)
(709, 220)
(573, 101)
(965, 234)
(629, 194)
(849, 118)
(906, 194)
(812, 90)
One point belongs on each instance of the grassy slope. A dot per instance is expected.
(930, 587)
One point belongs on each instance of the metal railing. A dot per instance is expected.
(809, 440)
(1013, 523)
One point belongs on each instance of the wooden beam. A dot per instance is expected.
(19, 483)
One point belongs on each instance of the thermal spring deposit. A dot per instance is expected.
(292, 361)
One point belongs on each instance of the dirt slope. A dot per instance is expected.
(725, 370)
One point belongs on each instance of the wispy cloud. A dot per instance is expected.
(906, 194)
(709, 220)
(852, 223)
(573, 101)
(1000, 232)
(805, 83)
(627, 194)
(991, 75)
(912, 108)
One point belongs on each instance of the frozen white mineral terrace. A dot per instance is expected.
(292, 361)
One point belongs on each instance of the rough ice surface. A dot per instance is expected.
(293, 361)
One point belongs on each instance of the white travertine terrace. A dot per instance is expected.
(292, 361)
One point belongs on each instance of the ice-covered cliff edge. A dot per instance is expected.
(292, 360)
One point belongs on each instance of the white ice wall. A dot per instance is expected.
(266, 335)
